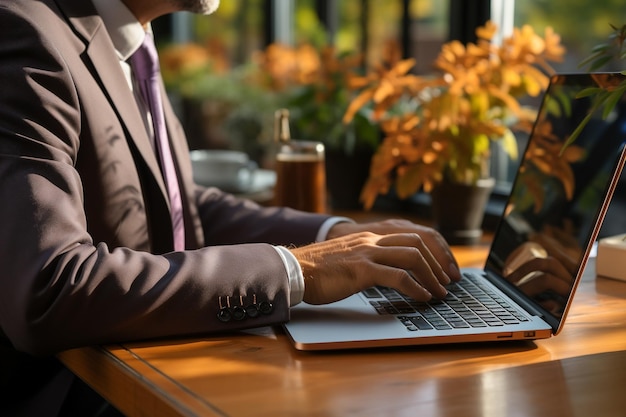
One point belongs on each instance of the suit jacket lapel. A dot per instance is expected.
(105, 66)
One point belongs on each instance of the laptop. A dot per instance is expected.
(552, 217)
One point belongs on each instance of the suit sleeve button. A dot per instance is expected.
(238, 313)
(224, 315)
(252, 310)
(266, 307)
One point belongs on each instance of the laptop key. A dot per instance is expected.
(420, 322)
(371, 293)
(467, 304)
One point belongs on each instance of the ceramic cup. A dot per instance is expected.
(228, 170)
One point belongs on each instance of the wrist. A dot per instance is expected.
(294, 275)
(340, 229)
(324, 232)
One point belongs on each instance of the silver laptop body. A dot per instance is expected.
(555, 209)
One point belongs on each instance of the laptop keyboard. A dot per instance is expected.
(468, 304)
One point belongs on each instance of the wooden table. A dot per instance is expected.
(581, 372)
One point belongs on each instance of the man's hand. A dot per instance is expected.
(413, 259)
(547, 278)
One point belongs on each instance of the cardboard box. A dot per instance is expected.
(611, 257)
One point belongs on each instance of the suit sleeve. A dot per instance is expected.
(61, 289)
(227, 220)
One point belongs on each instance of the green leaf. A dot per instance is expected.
(599, 63)
(576, 132)
(603, 47)
(552, 106)
(410, 182)
(600, 99)
(591, 91)
(590, 59)
(481, 143)
(612, 100)
(509, 144)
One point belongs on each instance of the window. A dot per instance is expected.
(416, 28)
(582, 24)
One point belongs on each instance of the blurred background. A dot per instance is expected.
(227, 73)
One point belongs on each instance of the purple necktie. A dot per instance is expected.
(145, 64)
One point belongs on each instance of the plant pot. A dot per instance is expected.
(345, 176)
(458, 210)
(203, 121)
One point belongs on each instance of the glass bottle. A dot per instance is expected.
(300, 170)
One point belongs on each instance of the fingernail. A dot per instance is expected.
(454, 269)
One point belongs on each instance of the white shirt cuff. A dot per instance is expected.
(294, 274)
(326, 226)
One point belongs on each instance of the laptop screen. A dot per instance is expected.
(558, 197)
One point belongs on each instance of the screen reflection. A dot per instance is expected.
(559, 192)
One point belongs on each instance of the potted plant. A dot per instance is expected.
(438, 130)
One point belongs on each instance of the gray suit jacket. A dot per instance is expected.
(85, 241)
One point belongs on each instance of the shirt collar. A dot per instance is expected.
(124, 29)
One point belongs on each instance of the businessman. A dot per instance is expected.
(105, 238)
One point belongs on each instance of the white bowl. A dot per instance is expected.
(228, 170)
